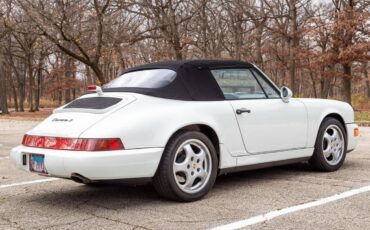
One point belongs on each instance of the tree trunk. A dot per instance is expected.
(367, 80)
(89, 79)
(259, 58)
(175, 37)
(347, 83)
(74, 80)
(99, 74)
(368, 87)
(3, 91)
(3, 98)
(238, 35)
(39, 81)
(122, 62)
(22, 88)
(204, 29)
(68, 80)
(12, 86)
(327, 83)
(177, 49)
(292, 44)
(31, 83)
(73, 93)
(15, 96)
(10, 64)
(325, 86)
(313, 84)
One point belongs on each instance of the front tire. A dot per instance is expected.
(188, 167)
(330, 147)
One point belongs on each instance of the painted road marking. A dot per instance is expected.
(28, 182)
(276, 213)
(6, 157)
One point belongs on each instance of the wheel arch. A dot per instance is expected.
(206, 130)
(338, 117)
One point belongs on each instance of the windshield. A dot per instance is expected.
(152, 78)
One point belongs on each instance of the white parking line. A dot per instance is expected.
(276, 213)
(6, 157)
(28, 182)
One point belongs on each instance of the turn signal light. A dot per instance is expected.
(73, 144)
(355, 132)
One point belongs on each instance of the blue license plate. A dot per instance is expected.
(37, 163)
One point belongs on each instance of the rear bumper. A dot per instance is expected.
(108, 165)
(351, 139)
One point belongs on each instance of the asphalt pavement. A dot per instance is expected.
(29, 201)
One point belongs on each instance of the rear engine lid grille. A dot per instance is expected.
(93, 103)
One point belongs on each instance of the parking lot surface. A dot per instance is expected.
(28, 203)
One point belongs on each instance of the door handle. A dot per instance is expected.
(240, 111)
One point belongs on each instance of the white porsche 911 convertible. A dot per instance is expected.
(182, 123)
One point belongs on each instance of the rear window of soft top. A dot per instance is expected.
(150, 78)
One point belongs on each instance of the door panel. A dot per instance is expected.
(266, 123)
(271, 125)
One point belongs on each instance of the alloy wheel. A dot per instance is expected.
(333, 144)
(192, 166)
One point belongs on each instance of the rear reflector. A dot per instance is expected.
(355, 132)
(73, 144)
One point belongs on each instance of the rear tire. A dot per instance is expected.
(330, 147)
(188, 168)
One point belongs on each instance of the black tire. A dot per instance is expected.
(164, 179)
(318, 160)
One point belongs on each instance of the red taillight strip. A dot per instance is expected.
(91, 87)
(73, 144)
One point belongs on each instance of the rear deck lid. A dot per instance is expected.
(73, 119)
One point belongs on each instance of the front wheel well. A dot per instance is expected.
(339, 118)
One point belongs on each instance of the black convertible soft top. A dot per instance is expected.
(194, 80)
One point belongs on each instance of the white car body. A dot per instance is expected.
(275, 132)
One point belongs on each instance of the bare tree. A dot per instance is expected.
(75, 27)
(51, 50)
(3, 77)
(168, 17)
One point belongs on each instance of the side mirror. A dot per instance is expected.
(285, 94)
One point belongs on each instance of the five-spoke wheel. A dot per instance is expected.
(333, 144)
(192, 166)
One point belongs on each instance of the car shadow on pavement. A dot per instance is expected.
(117, 196)
(271, 172)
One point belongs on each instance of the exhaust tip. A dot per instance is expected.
(80, 179)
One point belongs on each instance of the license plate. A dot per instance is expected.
(37, 163)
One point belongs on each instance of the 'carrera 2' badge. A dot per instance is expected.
(62, 120)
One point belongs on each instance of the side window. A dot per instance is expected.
(238, 84)
(269, 90)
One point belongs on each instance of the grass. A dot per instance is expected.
(44, 103)
(34, 116)
(362, 116)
